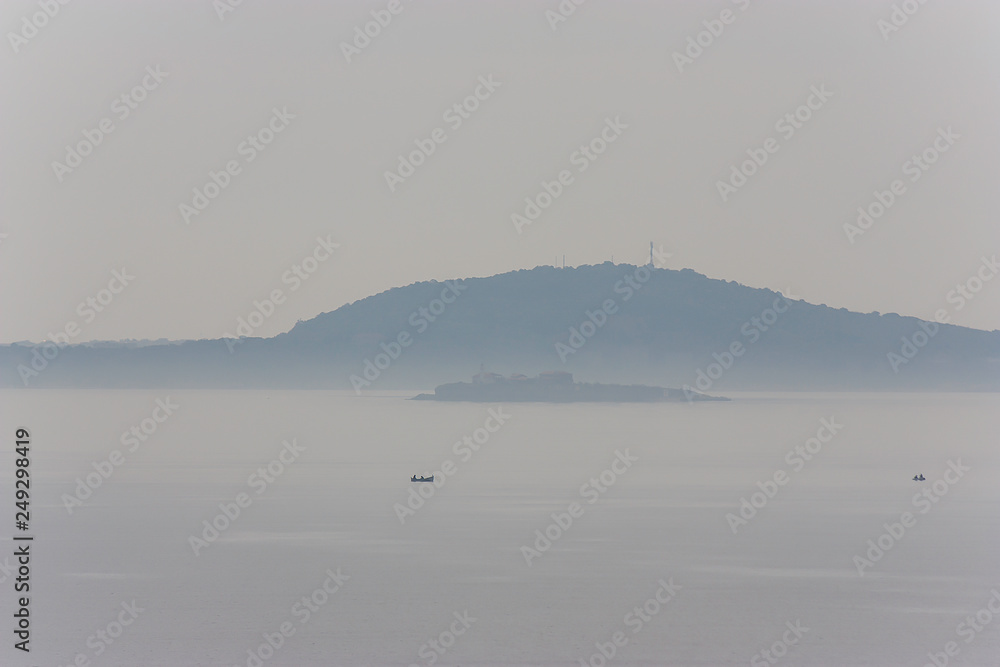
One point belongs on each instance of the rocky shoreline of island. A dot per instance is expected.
(556, 387)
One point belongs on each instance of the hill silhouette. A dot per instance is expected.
(604, 323)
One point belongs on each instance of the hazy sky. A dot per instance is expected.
(879, 98)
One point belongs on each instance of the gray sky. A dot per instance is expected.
(888, 96)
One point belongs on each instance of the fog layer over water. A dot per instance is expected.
(648, 540)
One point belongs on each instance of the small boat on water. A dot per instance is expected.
(422, 479)
(919, 478)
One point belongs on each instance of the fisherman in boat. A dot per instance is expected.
(414, 478)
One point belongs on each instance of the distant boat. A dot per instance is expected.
(422, 479)
(919, 478)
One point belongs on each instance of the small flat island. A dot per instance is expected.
(555, 387)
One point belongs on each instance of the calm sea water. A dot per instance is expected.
(650, 553)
